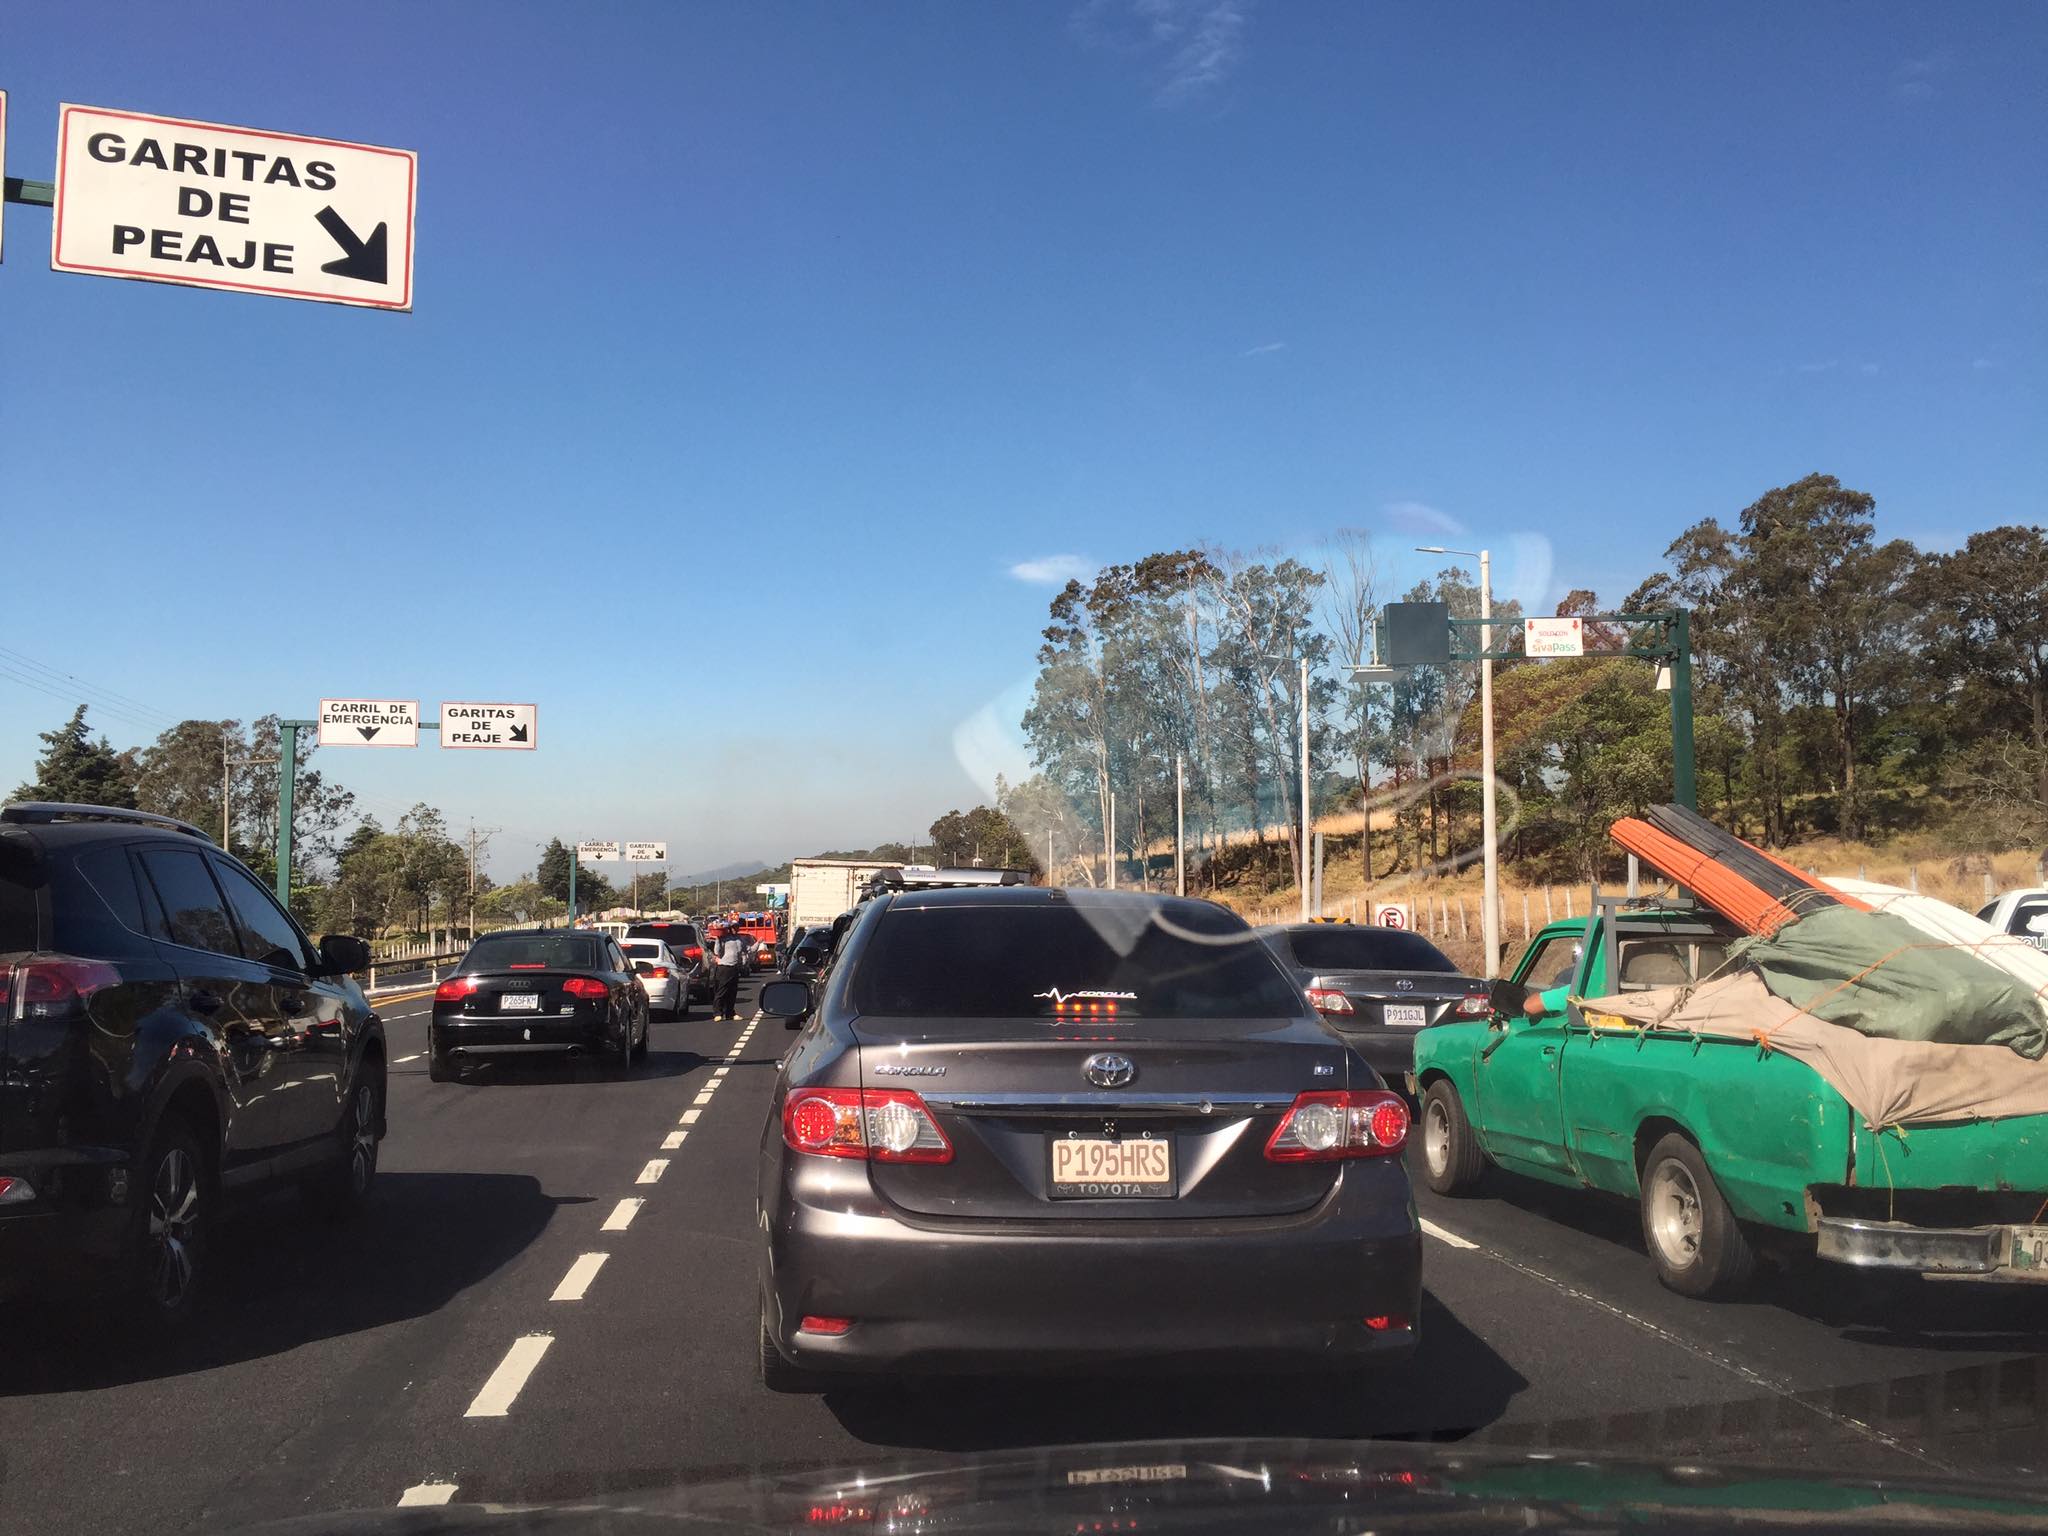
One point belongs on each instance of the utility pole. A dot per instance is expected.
(478, 836)
(227, 792)
(1109, 843)
(1489, 816)
(573, 861)
(1307, 816)
(1048, 853)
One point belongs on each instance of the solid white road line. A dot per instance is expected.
(581, 1273)
(415, 1056)
(426, 1493)
(656, 1167)
(690, 1116)
(495, 1400)
(1431, 1229)
(622, 1215)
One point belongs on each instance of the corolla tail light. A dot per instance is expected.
(1330, 1002)
(1325, 1126)
(880, 1125)
(1475, 1004)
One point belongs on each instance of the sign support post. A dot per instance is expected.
(572, 887)
(287, 780)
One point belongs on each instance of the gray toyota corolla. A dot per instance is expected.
(1041, 1128)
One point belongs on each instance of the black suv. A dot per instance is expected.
(168, 1036)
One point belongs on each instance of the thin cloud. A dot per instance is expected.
(1981, 363)
(1827, 367)
(1419, 517)
(1869, 370)
(1263, 348)
(1914, 79)
(1053, 570)
(1189, 46)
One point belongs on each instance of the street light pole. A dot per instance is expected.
(1307, 819)
(1489, 811)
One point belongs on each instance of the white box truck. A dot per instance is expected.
(821, 889)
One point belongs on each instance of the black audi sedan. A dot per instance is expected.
(562, 992)
(1040, 1128)
(1375, 987)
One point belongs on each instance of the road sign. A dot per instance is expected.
(592, 853)
(503, 727)
(369, 723)
(647, 853)
(168, 200)
(1392, 914)
(1553, 637)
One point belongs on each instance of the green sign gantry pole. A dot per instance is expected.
(1674, 648)
(572, 886)
(287, 779)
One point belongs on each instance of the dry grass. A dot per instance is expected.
(1448, 909)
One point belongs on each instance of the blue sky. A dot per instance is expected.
(841, 330)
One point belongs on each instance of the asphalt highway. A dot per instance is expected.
(552, 1298)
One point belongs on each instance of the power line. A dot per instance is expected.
(134, 722)
(115, 700)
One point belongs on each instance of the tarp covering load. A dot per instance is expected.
(1879, 975)
(1887, 1082)
(1937, 919)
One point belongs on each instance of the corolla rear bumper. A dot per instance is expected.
(1290, 1292)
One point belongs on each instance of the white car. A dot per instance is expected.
(660, 974)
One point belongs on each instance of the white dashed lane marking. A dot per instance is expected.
(702, 1099)
(1431, 1229)
(690, 1116)
(495, 1400)
(622, 1215)
(415, 1056)
(673, 1140)
(656, 1167)
(426, 1493)
(581, 1273)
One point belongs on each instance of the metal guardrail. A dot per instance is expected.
(409, 965)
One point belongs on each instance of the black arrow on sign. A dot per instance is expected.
(369, 730)
(365, 260)
(519, 733)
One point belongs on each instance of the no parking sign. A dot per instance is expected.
(1392, 914)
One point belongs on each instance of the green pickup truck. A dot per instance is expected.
(1721, 1142)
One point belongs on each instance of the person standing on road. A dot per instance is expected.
(727, 958)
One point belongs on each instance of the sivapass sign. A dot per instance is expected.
(1554, 637)
(171, 200)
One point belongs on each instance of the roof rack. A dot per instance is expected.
(43, 812)
(914, 877)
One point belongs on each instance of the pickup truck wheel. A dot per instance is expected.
(1451, 1160)
(1694, 1239)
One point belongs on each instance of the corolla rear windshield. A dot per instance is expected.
(1069, 961)
(1367, 949)
(533, 952)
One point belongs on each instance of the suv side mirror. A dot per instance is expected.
(789, 1001)
(342, 954)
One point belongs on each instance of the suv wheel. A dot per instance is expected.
(172, 1222)
(343, 1188)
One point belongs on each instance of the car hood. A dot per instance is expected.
(1247, 1486)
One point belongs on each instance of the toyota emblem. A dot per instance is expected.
(1106, 1069)
(1404, 985)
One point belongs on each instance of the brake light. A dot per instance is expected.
(1329, 1000)
(454, 989)
(1475, 1003)
(585, 986)
(658, 972)
(880, 1125)
(527, 965)
(833, 1326)
(1324, 1126)
(694, 952)
(51, 988)
(1387, 1322)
